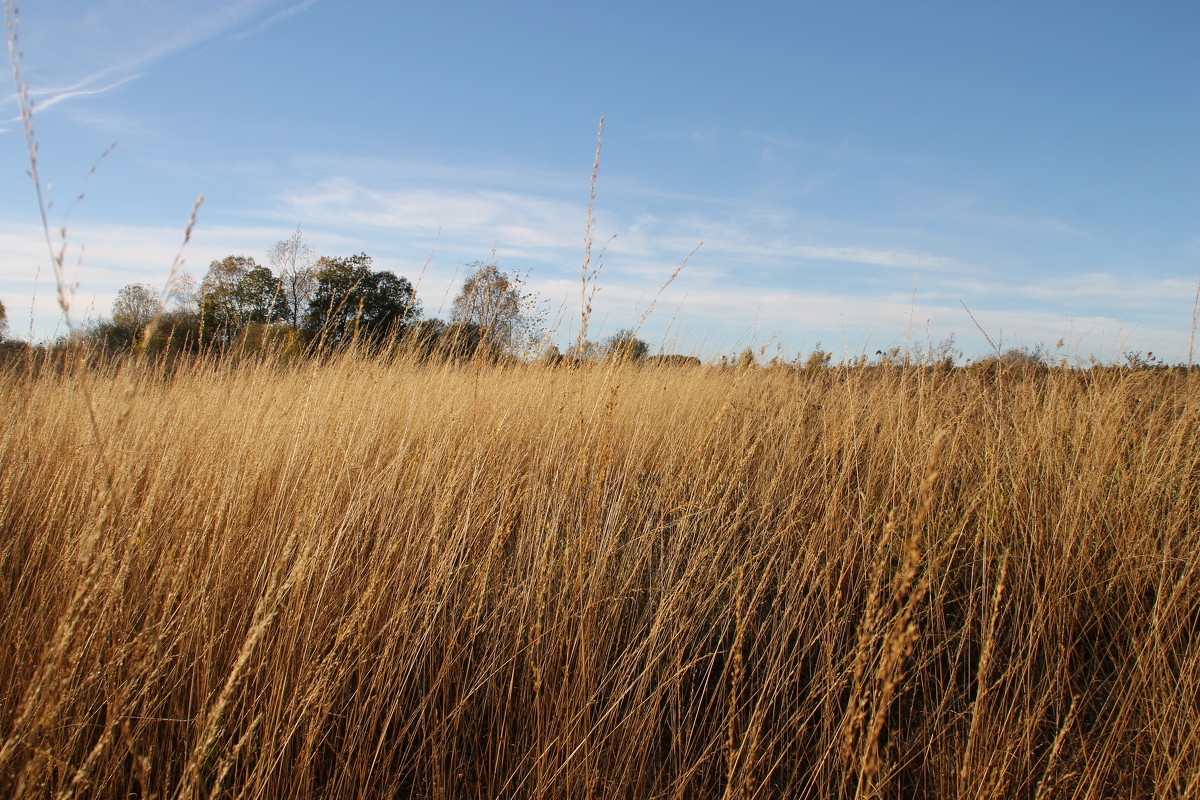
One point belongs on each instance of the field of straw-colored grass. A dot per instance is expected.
(364, 578)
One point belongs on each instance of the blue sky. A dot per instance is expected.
(853, 173)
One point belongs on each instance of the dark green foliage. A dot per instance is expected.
(261, 297)
(352, 301)
(242, 305)
(107, 335)
(219, 304)
(13, 350)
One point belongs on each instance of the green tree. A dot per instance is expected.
(3, 322)
(625, 346)
(237, 292)
(351, 299)
(220, 298)
(260, 296)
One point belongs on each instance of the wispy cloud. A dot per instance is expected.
(882, 258)
(762, 267)
(280, 16)
(712, 308)
(531, 223)
(518, 219)
(122, 41)
(52, 97)
(189, 33)
(1097, 290)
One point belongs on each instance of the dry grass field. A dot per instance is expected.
(369, 577)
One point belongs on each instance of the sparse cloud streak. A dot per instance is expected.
(50, 98)
(179, 32)
(275, 18)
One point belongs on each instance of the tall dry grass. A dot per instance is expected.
(371, 577)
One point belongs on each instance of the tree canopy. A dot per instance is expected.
(352, 300)
(136, 305)
(625, 346)
(237, 292)
(491, 300)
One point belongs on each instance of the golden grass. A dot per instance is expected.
(371, 577)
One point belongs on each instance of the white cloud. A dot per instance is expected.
(709, 309)
(102, 258)
(760, 270)
(1094, 290)
(521, 222)
(754, 265)
(883, 258)
(527, 225)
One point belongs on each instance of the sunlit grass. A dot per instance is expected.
(376, 577)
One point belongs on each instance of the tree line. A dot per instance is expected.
(298, 303)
